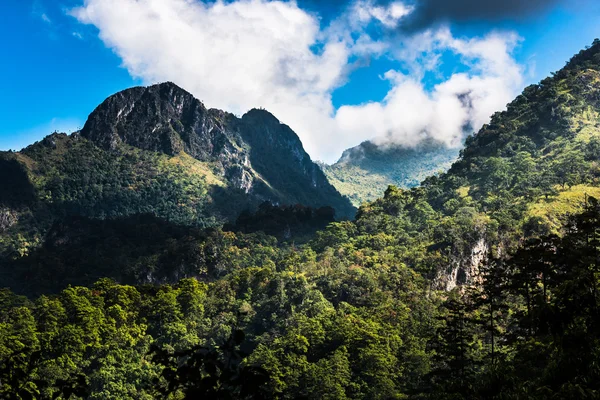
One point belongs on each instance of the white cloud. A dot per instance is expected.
(389, 15)
(259, 53)
(409, 112)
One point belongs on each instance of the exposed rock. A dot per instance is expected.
(464, 270)
(8, 218)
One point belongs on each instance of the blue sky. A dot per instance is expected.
(56, 69)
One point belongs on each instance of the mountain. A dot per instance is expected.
(481, 283)
(520, 176)
(256, 154)
(365, 171)
(157, 150)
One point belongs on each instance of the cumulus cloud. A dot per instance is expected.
(258, 53)
(389, 15)
(460, 104)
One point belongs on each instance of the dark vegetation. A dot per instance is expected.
(292, 223)
(528, 330)
(79, 251)
(355, 311)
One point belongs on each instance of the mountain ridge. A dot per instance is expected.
(172, 121)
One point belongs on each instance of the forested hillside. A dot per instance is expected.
(482, 283)
(304, 324)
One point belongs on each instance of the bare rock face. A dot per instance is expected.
(8, 218)
(464, 270)
(167, 119)
(255, 153)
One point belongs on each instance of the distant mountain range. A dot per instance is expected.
(365, 171)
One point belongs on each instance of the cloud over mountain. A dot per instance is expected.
(273, 54)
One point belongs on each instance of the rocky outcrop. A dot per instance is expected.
(8, 218)
(463, 270)
(167, 119)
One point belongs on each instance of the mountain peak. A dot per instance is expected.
(255, 153)
(260, 114)
(364, 172)
(153, 118)
(166, 85)
(169, 91)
